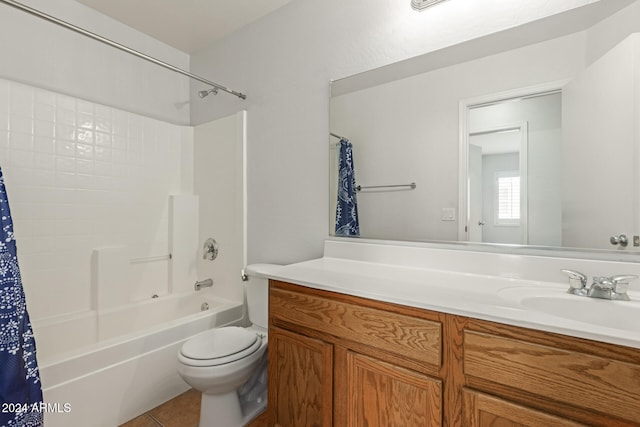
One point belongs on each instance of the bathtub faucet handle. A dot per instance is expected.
(210, 249)
(206, 283)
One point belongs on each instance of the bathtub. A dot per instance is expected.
(105, 368)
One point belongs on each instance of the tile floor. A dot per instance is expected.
(181, 411)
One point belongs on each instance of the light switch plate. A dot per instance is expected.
(448, 214)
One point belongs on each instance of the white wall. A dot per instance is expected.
(284, 63)
(219, 183)
(47, 56)
(600, 109)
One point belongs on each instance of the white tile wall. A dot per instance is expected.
(81, 175)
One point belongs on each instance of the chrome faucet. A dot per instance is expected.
(206, 283)
(577, 282)
(612, 288)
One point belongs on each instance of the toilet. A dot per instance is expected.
(228, 364)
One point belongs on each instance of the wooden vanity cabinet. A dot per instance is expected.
(339, 360)
(589, 382)
(344, 361)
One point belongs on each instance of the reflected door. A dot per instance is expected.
(475, 222)
(498, 185)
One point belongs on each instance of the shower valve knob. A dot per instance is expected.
(210, 249)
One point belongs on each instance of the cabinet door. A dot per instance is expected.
(300, 380)
(483, 410)
(383, 395)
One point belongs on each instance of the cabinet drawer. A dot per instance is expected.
(406, 336)
(579, 379)
(484, 410)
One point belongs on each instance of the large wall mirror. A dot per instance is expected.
(527, 137)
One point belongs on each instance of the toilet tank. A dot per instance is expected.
(257, 292)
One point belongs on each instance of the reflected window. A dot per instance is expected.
(507, 198)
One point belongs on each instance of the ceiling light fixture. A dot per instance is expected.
(423, 4)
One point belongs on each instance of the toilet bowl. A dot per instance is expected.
(220, 361)
(217, 363)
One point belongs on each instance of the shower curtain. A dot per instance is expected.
(347, 207)
(20, 391)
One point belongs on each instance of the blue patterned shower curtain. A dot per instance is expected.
(20, 391)
(347, 208)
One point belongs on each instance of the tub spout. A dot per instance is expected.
(207, 283)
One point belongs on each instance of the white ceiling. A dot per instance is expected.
(188, 25)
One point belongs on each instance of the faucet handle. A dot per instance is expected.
(602, 283)
(577, 282)
(621, 282)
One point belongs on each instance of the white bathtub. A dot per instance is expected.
(104, 368)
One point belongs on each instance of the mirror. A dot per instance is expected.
(525, 137)
(513, 168)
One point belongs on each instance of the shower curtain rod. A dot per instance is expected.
(338, 136)
(124, 48)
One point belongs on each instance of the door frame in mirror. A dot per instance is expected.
(463, 151)
(464, 177)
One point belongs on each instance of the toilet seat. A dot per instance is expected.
(219, 346)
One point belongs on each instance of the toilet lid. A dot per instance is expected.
(219, 346)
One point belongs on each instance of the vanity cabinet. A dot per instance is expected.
(344, 361)
(590, 382)
(340, 360)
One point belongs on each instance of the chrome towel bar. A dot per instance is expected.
(411, 186)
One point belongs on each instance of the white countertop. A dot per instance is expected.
(480, 296)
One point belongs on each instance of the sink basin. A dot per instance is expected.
(621, 315)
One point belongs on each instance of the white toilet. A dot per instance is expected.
(220, 361)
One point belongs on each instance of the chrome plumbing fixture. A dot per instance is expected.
(205, 93)
(577, 283)
(204, 306)
(206, 283)
(621, 240)
(612, 288)
(210, 249)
